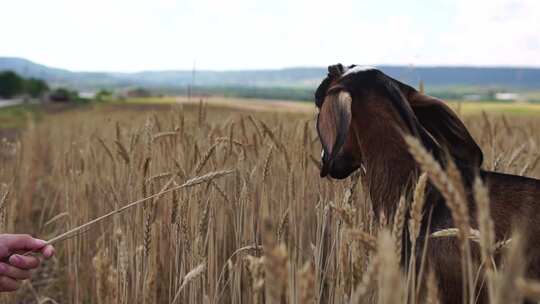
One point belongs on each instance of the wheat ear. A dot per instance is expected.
(192, 182)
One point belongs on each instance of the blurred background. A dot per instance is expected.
(461, 50)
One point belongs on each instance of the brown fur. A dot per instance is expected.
(382, 110)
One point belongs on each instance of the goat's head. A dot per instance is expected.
(354, 99)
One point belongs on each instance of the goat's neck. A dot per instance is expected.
(389, 168)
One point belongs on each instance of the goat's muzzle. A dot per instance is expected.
(338, 167)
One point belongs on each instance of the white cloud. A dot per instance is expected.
(501, 32)
(168, 34)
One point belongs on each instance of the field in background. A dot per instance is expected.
(204, 244)
(496, 107)
(16, 116)
(464, 107)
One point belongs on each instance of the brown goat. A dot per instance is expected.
(363, 115)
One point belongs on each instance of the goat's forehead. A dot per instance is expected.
(358, 69)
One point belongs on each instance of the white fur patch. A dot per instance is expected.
(357, 69)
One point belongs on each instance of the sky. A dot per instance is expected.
(136, 35)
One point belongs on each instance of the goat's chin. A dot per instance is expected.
(340, 167)
(342, 172)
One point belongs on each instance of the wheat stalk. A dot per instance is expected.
(204, 159)
(368, 281)
(164, 135)
(417, 208)
(267, 162)
(190, 183)
(389, 275)
(487, 231)
(192, 275)
(307, 284)
(472, 234)
(399, 225)
(363, 237)
(514, 263)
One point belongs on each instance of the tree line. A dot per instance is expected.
(12, 85)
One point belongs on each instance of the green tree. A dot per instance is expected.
(35, 87)
(11, 84)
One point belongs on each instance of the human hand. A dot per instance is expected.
(14, 266)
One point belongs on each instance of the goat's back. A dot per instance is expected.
(514, 200)
(515, 203)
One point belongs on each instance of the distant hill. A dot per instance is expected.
(304, 78)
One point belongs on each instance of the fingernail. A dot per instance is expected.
(16, 258)
(48, 252)
(3, 268)
(40, 243)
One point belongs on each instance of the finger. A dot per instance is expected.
(24, 262)
(8, 284)
(48, 251)
(14, 272)
(16, 242)
(4, 251)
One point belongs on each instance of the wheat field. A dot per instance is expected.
(272, 231)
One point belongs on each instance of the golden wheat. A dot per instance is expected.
(211, 244)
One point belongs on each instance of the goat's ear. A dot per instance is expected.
(446, 128)
(333, 123)
(335, 71)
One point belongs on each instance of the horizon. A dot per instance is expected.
(278, 69)
(131, 36)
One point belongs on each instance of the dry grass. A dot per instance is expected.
(271, 232)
